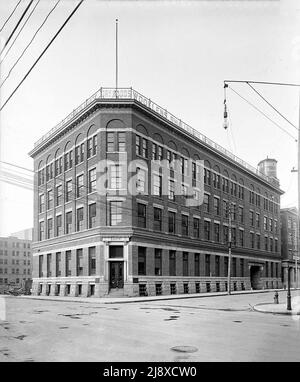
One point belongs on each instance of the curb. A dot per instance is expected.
(146, 299)
(287, 313)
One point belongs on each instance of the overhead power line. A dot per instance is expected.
(12, 44)
(28, 45)
(256, 108)
(18, 23)
(264, 83)
(273, 107)
(41, 55)
(13, 11)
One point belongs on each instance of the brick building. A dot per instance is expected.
(289, 243)
(88, 242)
(15, 261)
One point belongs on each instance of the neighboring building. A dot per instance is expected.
(25, 234)
(15, 261)
(289, 244)
(88, 242)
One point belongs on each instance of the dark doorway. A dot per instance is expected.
(255, 277)
(116, 278)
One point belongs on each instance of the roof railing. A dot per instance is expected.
(129, 93)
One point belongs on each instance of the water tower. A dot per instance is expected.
(268, 167)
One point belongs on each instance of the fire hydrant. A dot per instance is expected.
(276, 300)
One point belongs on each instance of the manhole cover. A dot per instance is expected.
(184, 349)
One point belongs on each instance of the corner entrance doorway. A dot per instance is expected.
(255, 277)
(116, 274)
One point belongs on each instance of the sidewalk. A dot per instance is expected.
(280, 308)
(124, 300)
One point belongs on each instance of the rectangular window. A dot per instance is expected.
(251, 215)
(206, 203)
(68, 263)
(49, 228)
(234, 267)
(121, 141)
(58, 225)
(185, 263)
(265, 223)
(138, 145)
(172, 263)
(241, 238)
(217, 266)
(158, 262)
(257, 220)
(207, 265)
(206, 230)
(49, 199)
(58, 264)
(79, 259)
(184, 225)
(59, 195)
(89, 151)
(140, 180)
(171, 190)
(266, 243)
(69, 222)
(110, 142)
(154, 151)
(171, 221)
(92, 180)
(257, 241)
(92, 261)
(41, 272)
(252, 239)
(141, 260)
(197, 264)
(216, 232)
(196, 227)
(157, 219)
(41, 203)
(49, 265)
(68, 160)
(241, 215)
(79, 186)
(144, 148)
(68, 191)
(41, 230)
(79, 219)
(77, 155)
(116, 177)
(115, 212)
(242, 267)
(157, 185)
(92, 215)
(216, 206)
(141, 215)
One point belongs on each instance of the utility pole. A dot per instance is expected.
(298, 228)
(116, 56)
(229, 249)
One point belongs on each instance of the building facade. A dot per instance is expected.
(15, 262)
(111, 210)
(289, 244)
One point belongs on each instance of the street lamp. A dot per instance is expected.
(288, 302)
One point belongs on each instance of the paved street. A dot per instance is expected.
(223, 328)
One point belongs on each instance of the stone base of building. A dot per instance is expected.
(148, 286)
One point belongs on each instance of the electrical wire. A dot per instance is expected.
(256, 108)
(30, 42)
(41, 55)
(30, 14)
(277, 111)
(18, 23)
(13, 11)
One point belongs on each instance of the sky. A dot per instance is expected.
(178, 53)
